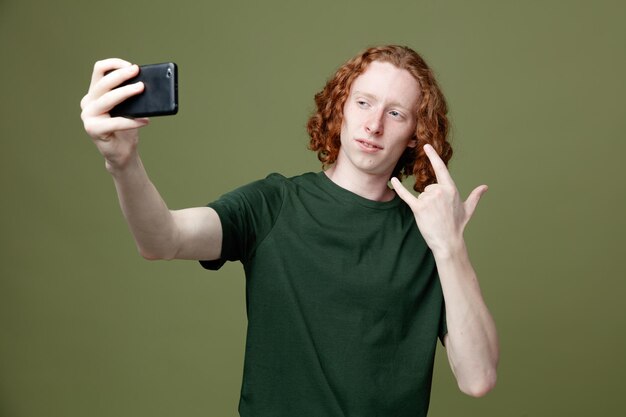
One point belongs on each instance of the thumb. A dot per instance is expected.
(473, 199)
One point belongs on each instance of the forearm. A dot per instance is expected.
(151, 223)
(147, 215)
(472, 341)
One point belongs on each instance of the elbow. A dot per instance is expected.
(152, 255)
(149, 256)
(480, 386)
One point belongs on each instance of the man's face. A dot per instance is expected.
(378, 119)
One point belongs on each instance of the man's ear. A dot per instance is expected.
(412, 143)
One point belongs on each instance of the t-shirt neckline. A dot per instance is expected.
(346, 195)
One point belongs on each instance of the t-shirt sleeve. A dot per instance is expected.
(247, 215)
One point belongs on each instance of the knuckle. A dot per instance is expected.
(88, 125)
(99, 65)
(83, 102)
(434, 189)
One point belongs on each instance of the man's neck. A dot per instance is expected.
(369, 186)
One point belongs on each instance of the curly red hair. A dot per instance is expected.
(324, 125)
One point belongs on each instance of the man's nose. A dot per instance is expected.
(374, 125)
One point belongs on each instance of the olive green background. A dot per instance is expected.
(536, 92)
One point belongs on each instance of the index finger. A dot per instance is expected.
(101, 68)
(441, 171)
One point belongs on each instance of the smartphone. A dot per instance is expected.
(160, 94)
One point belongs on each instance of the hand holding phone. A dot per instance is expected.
(160, 95)
(115, 137)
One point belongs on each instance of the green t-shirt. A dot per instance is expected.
(343, 299)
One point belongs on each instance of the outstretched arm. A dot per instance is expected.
(159, 233)
(441, 216)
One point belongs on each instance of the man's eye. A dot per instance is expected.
(362, 103)
(394, 113)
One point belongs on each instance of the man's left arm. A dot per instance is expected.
(441, 216)
(472, 340)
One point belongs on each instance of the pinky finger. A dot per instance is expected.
(124, 123)
(104, 127)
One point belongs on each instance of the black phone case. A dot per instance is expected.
(160, 95)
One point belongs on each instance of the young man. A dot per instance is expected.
(349, 282)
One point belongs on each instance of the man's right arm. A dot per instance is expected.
(159, 233)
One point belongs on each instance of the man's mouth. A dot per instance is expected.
(368, 145)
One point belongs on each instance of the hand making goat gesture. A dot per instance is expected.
(440, 213)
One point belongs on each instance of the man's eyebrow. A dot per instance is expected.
(374, 98)
(368, 95)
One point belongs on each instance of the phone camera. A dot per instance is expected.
(169, 73)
